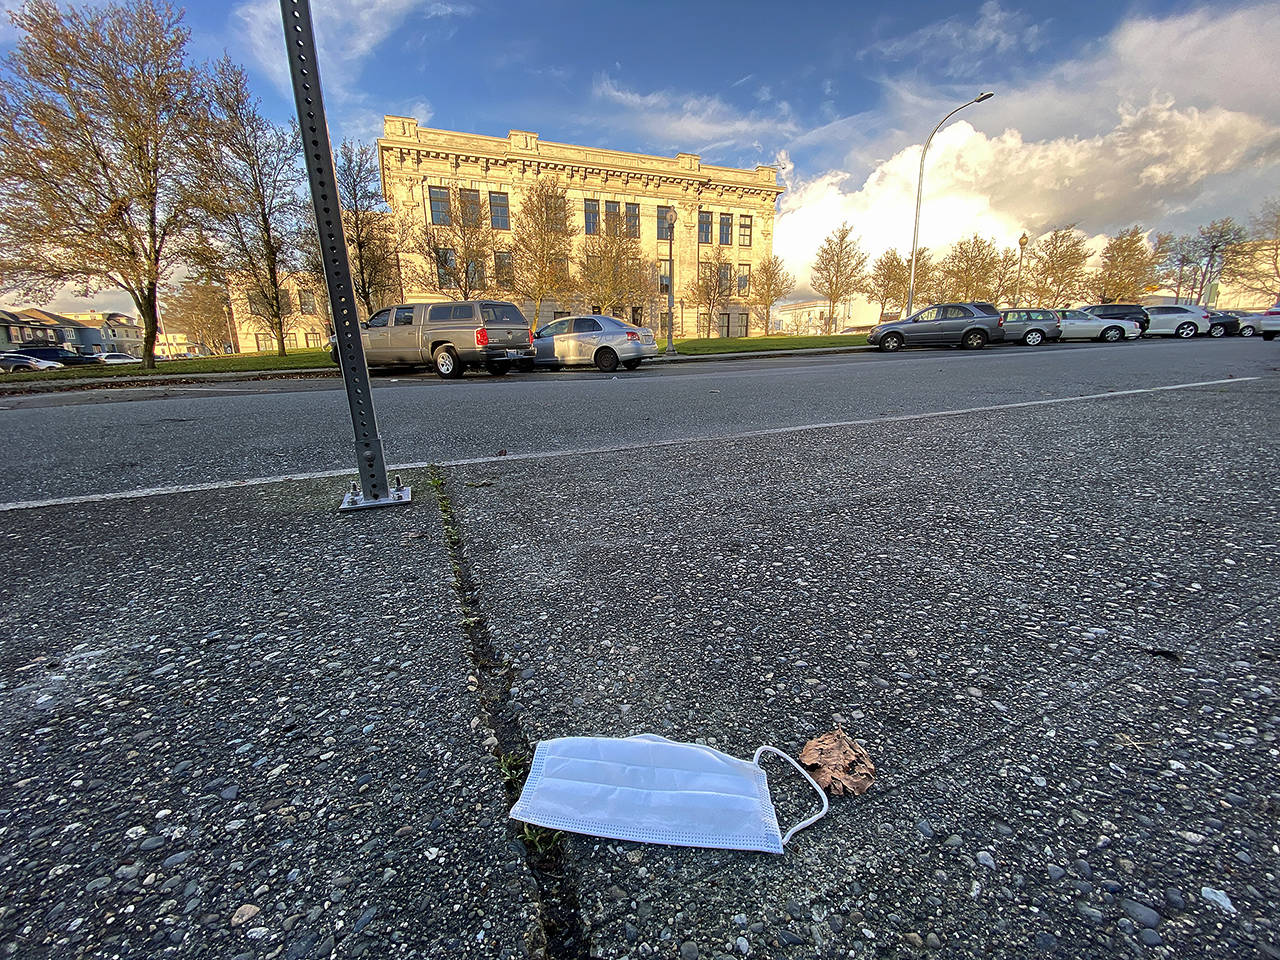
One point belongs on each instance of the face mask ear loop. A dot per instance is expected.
(813, 783)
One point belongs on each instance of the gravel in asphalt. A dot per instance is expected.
(241, 726)
(1053, 628)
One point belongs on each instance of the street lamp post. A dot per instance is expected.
(1017, 285)
(671, 281)
(915, 235)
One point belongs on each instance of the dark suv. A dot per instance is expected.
(68, 358)
(968, 325)
(1121, 311)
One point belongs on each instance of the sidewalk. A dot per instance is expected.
(93, 383)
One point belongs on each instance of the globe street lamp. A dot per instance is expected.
(915, 236)
(1017, 285)
(671, 280)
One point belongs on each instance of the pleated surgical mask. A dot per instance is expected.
(654, 790)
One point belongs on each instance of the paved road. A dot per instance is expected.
(97, 441)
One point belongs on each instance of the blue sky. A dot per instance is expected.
(1105, 114)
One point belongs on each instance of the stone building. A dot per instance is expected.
(306, 316)
(715, 206)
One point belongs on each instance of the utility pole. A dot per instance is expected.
(304, 70)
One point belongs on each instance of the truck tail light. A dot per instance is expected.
(482, 337)
(531, 336)
(633, 335)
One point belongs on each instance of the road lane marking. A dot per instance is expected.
(144, 492)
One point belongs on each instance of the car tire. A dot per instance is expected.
(498, 368)
(1112, 335)
(333, 354)
(524, 366)
(973, 340)
(891, 343)
(606, 360)
(1269, 335)
(1185, 331)
(631, 364)
(1247, 331)
(1217, 330)
(445, 360)
(1033, 338)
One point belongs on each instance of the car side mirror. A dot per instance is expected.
(364, 324)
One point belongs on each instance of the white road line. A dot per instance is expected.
(145, 492)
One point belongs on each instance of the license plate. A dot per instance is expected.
(513, 353)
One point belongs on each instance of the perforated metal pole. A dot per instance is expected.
(300, 43)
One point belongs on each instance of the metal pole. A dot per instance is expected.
(1017, 284)
(671, 282)
(915, 233)
(304, 70)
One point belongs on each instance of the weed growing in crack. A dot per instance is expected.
(514, 767)
(540, 840)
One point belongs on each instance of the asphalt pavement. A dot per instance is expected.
(236, 724)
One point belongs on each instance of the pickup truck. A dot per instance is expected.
(450, 337)
(1268, 321)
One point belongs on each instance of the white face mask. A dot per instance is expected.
(655, 790)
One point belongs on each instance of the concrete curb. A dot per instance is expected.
(92, 383)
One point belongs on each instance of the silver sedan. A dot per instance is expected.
(593, 339)
(1082, 325)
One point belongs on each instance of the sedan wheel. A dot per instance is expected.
(631, 364)
(1185, 331)
(891, 342)
(606, 359)
(1217, 330)
(1033, 338)
(1112, 334)
(1246, 331)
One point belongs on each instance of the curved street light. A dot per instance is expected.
(915, 235)
(671, 279)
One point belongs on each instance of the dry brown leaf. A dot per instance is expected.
(838, 763)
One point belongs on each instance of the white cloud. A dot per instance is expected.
(1126, 134)
(962, 43)
(697, 123)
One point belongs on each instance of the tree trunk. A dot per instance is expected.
(277, 329)
(146, 303)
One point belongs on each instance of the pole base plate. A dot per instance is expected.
(357, 501)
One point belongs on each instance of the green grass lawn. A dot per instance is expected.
(752, 344)
(236, 363)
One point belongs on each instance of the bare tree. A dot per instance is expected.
(712, 288)
(369, 229)
(252, 175)
(1055, 269)
(1254, 265)
(200, 311)
(1212, 243)
(772, 282)
(612, 274)
(1181, 267)
(1129, 267)
(542, 246)
(455, 254)
(839, 271)
(99, 110)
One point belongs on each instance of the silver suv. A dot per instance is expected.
(1177, 320)
(968, 325)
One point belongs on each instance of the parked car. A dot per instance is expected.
(119, 358)
(1079, 325)
(594, 339)
(451, 337)
(968, 325)
(1121, 311)
(68, 358)
(1268, 321)
(20, 362)
(1183, 321)
(1250, 325)
(1031, 326)
(1223, 324)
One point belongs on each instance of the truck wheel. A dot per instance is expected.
(446, 362)
(606, 359)
(498, 368)
(974, 340)
(525, 366)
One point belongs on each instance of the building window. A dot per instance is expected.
(612, 218)
(726, 229)
(439, 206)
(664, 228)
(744, 279)
(258, 305)
(726, 277)
(264, 342)
(291, 340)
(503, 271)
(475, 274)
(470, 201)
(445, 262)
(637, 316)
(499, 211)
(313, 339)
(307, 301)
(704, 226)
(664, 276)
(633, 220)
(286, 305)
(591, 217)
(744, 231)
